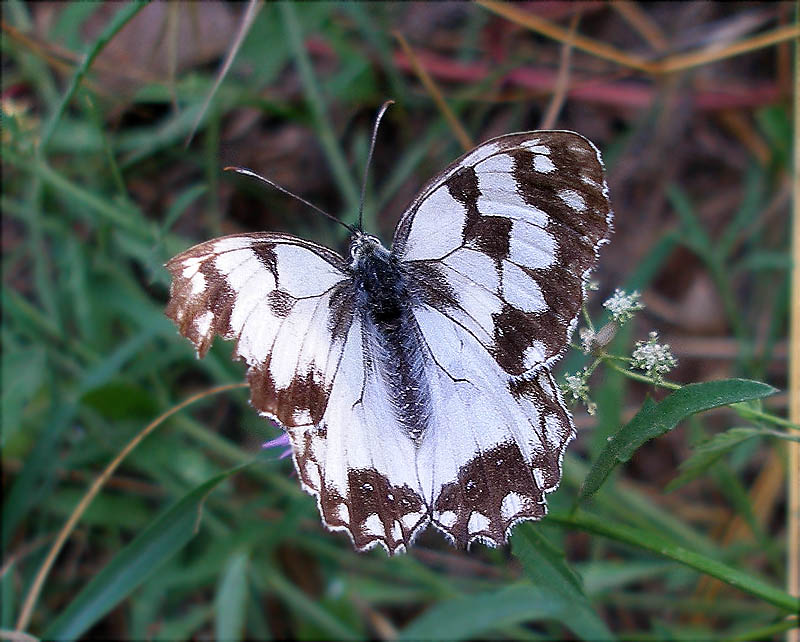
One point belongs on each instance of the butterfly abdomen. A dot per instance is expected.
(394, 339)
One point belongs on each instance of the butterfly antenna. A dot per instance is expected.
(381, 112)
(247, 172)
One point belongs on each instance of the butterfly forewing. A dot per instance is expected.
(525, 216)
(416, 388)
(288, 304)
(280, 298)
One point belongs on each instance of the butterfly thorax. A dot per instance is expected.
(393, 337)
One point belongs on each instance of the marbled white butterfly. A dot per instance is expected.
(414, 382)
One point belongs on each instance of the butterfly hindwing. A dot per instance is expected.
(495, 445)
(359, 461)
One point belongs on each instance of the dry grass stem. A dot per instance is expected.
(793, 474)
(641, 22)
(244, 28)
(562, 80)
(460, 133)
(741, 127)
(545, 27)
(667, 65)
(712, 54)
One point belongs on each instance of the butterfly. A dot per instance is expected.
(415, 383)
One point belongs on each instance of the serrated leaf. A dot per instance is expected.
(655, 419)
(547, 568)
(135, 563)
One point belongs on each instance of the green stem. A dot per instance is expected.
(750, 413)
(119, 20)
(317, 105)
(643, 378)
(666, 548)
(765, 632)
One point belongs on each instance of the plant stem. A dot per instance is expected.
(793, 473)
(649, 541)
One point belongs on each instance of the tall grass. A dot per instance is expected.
(130, 513)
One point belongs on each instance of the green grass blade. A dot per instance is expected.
(470, 617)
(655, 543)
(127, 218)
(707, 453)
(135, 563)
(119, 20)
(314, 96)
(655, 419)
(694, 235)
(231, 599)
(547, 567)
(310, 609)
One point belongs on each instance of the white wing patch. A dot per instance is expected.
(432, 240)
(490, 431)
(246, 288)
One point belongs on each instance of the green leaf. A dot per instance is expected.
(135, 563)
(666, 547)
(547, 567)
(707, 453)
(231, 599)
(654, 419)
(471, 616)
(23, 375)
(120, 400)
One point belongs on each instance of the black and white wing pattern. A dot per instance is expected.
(415, 384)
(277, 297)
(499, 247)
(289, 305)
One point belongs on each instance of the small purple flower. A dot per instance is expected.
(282, 441)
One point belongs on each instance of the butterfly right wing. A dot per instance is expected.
(511, 230)
(498, 248)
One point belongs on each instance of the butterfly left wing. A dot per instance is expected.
(288, 304)
(498, 247)
(281, 299)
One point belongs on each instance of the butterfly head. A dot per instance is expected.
(363, 245)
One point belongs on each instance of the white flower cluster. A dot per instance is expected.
(622, 305)
(576, 387)
(654, 358)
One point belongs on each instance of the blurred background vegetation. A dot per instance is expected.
(117, 121)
